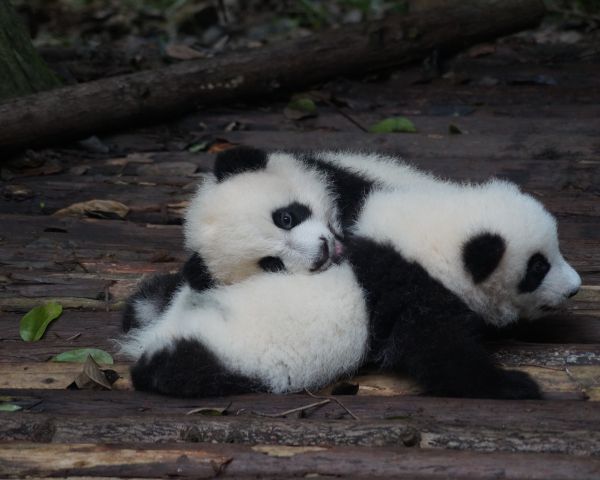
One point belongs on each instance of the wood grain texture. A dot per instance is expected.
(207, 461)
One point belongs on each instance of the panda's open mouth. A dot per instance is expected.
(331, 254)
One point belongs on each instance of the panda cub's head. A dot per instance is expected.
(263, 212)
(490, 244)
(512, 258)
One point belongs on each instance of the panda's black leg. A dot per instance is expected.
(448, 359)
(419, 326)
(188, 369)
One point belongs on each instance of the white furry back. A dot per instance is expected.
(289, 331)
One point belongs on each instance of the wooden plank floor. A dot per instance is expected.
(543, 136)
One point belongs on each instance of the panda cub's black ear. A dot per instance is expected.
(239, 160)
(482, 254)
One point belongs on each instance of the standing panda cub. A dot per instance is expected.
(278, 216)
(265, 303)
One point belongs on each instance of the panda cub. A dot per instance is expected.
(266, 302)
(437, 261)
(283, 218)
(425, 213)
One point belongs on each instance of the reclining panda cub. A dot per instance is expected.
(427, 264)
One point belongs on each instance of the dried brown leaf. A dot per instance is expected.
(182, 52)
(91, 378)
(94, 208)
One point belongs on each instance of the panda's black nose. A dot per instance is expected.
(572, 293)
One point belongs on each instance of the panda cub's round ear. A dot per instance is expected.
(239, 160)
(482, 254)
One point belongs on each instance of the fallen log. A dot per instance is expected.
(76, 111)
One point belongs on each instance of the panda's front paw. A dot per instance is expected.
(517, 385)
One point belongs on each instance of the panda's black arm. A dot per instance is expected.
(196, 274)
(158, 290)
(421, 328)
(188, 369)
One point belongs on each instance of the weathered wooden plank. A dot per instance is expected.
(52, 375)
(74, 329)
(207, 461)
(546, 415)
(71, 244)
(251, 429)
(557, 382)
(247, 429)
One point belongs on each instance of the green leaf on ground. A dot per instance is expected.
(198, 147)
(299, 108)
(394, 124)
(80, 355)
(10, 407)
(34, 323)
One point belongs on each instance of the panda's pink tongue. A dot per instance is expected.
(338, 252)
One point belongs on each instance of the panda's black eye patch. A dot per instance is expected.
(482, 254)
(537, 269)
(290, 216)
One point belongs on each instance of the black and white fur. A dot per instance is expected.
(431, 220)
(235, 227)
(232, 322)
(440, 259)
(437, 260)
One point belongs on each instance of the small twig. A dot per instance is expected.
(336, 401)
(33, 405)
(347, 116)
(221, 411)
(294, 410)
(73, 337)
(536, 365)
(577, 383)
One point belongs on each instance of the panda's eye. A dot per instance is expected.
(286, 220)
(288, 217)
(537, 269)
